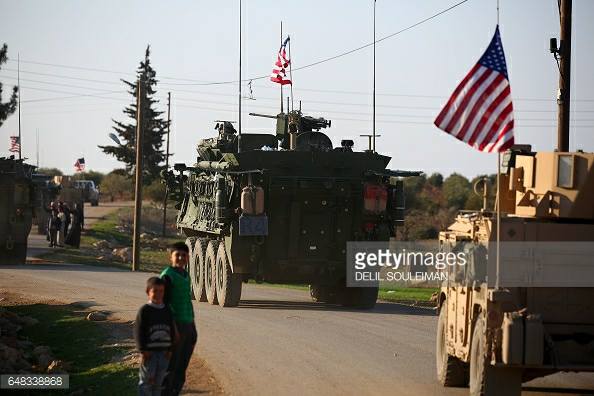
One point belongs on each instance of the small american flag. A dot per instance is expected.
(15, 144)
(279, 70)
(480, 111)
(79, 165)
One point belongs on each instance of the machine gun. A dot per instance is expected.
(293, 124)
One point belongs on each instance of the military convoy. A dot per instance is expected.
(17, 205)
(280, 208)
(494, 338)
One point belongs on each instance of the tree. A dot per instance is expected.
(152, 124)
(8, 108)
(456, 189)
(155, 192)
(50, 171)
(117, 185)
(436, 180)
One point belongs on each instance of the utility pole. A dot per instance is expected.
(239, 125)
(373, 148)
(138, 189)
(167, 162)
(564, 76)
(20, 92)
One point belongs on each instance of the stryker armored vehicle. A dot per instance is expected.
(280, 208)
(17, 205)
(532, 314)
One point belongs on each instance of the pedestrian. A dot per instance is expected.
(54, 224)
(154, 332)
(73, 235)
(61, 225)
(67, 219)
(177, 296)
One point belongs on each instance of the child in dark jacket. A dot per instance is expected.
(154, 332)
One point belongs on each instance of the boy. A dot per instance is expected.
(177, 296)
(153, 331)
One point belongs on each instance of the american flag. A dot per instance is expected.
(79, 165)
(15, 144)
(480, 111)
(279, 70)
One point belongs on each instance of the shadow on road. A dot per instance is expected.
(380, 308)
(565, 391)
(61, 267)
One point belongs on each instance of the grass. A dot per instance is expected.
(83, 344)
(152, 259)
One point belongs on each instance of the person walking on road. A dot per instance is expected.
(177, 296)
(154, 331)
(61, 225)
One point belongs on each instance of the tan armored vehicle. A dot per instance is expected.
(501, 325)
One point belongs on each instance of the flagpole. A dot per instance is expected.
(290, 73)
(281, 85)
(20, 92)
(498, 200)
(239, 125)
(374, 75)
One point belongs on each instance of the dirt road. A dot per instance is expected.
(278, 342)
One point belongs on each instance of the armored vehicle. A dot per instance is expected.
(17, 204)
(500, 325)
(280, 208)
(89, 191)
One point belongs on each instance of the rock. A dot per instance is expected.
(44, 360)
(124, 254)
(41, 350)
(145, 236)
(97, 316)
(58, 367)
(102, 244)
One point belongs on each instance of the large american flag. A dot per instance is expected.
(480, 111)
(279, 70)
(79, 165)
(15, 144)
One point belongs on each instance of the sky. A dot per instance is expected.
(74, 53)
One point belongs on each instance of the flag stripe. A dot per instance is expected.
(445, 110)
(489, 115)
(468, 95)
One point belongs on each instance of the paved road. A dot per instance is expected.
(279, 342)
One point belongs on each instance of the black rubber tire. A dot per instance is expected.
(486, 380)
(199, 259)
(451, 371)
(191, 264)
(359, 297)
(323, 294)
(210, 266)
(228, 283)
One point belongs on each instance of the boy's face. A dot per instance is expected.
(179, 259)
(156, 293)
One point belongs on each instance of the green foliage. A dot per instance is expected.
(8, 108)
(456, 189)
(436, 180)
(155, 192)
(82, 343)
(50, 171)
(89, 175)
(118, 186)
(153, 125)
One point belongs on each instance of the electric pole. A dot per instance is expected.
(138, 189)
(167, 162)
(564, 76)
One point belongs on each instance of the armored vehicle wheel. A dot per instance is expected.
(228, 283)
(486, 380)
(324, 294)
(451, 371)
(191, 264)
(210, 261)
(199, 271)
(360, 297)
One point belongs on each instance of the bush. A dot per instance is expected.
(50, 171)
(154, 192)
(118, 186)
(97, 177)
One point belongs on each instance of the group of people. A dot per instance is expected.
(64, 225)
(164, 329)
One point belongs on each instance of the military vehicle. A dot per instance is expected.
(17, 204)
(281, 207)
(90, 191)
(69, 193)
(494, 338)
